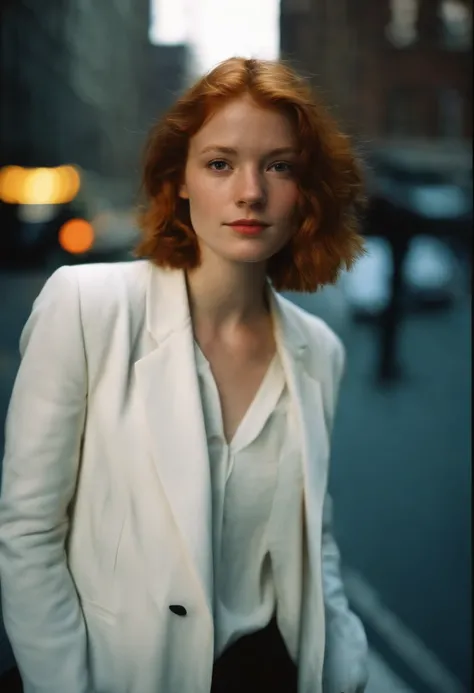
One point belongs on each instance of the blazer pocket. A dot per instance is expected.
(98, 611)
(94, 573)
(103, 656)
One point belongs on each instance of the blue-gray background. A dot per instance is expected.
(81, 86)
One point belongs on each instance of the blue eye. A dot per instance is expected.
(282, 167)
(217, 165)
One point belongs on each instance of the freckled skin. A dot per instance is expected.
(253, 181)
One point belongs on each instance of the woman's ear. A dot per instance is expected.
(183, 191)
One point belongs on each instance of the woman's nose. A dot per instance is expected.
(250, 188)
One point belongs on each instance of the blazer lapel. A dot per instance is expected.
(169, 387)
(306, 395)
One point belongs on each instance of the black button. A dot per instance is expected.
(178, 609)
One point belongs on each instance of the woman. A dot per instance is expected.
(164, 520)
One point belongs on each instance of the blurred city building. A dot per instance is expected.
(81, 83)
(397, 76)
(390, 68)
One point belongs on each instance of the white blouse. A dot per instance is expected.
(257, 493)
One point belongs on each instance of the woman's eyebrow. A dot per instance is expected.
(230, 150)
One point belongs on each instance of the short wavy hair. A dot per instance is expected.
(329, 177)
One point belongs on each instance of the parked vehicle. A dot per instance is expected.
(419, 212)
(420, 217)
(66, 212)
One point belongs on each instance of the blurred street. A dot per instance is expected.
(401, 481)
(400, 478)
(396, 75)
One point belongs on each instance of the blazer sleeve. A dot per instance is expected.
(346, 655)
(44, 427)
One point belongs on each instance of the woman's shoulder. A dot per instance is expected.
(97, 297)
(107, 276)
(103, 287)
(315, 331)
(325, 355)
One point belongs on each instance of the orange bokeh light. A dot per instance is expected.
(76, 236)
(11, 180)
(36, 186)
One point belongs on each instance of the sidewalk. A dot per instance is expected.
(382, 679)
(401, 479)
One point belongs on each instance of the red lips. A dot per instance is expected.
(248, 227)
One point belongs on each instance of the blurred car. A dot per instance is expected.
(428, 185)
(419, 216)
(63, 214)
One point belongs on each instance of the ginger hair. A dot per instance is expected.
(329, 177)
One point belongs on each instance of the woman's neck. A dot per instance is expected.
(224, 296)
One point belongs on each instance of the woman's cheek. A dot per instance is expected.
(289, 203)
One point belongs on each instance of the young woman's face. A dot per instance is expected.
(240, 166)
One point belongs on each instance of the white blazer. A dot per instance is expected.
(105, 512)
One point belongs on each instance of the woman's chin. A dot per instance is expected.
(249, 257)
(250, 252)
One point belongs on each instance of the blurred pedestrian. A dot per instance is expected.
(164, 521)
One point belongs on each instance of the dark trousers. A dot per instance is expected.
(257, 663)
(11, 682)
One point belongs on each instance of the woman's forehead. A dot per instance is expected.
(242, 122)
